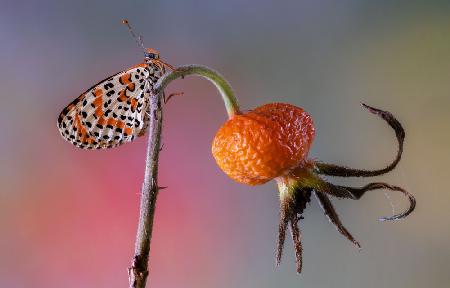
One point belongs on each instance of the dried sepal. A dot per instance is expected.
(332, 215)
(335, 170)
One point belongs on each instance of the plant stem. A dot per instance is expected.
(225, 90)
(138, 272)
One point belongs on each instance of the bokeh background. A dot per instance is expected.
(68, 217)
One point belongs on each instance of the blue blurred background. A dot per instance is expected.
(68, 217)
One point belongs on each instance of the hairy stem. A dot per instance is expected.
(138, 272)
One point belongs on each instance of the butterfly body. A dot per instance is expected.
(114, 111)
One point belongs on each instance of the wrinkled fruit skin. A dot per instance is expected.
(265, 143)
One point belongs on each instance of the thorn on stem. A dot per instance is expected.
(171, 95)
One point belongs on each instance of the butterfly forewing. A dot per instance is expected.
(111, 112)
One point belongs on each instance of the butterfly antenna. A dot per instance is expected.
(138, 39)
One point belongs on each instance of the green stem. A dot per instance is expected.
(229, 99)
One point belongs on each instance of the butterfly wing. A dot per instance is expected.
(111, 112)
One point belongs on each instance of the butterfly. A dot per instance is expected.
(113, 111)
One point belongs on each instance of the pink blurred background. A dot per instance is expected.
(68, 217)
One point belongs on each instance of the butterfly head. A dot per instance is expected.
(151, 55)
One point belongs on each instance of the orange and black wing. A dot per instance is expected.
(112, 112)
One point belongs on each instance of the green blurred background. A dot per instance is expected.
(68, 217)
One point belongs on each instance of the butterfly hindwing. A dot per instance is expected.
(111, 112)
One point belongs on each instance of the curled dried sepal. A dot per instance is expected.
(335, 170)
(358, 192)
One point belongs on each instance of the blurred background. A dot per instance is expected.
(68, 217)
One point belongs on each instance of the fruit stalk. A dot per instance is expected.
(138, 272)
(225, 90)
